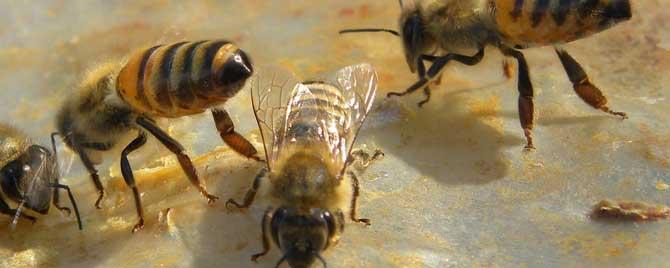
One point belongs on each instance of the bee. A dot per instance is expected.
(29, 177)
(164, 81)
(308, 132)
(440, 31)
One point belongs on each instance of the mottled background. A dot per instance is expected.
(455, 188)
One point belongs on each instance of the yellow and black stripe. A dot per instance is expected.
(544, 22)
(319, 109)
(183, 78)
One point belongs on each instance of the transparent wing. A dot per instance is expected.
(271, 87)
(328, 113)
(358, 84)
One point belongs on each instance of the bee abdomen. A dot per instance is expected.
(542, 22)
(183, 78)
(318, 111)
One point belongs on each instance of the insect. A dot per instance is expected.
(181, 79)
(308, 132)
(29, 177)
(436, 31)
(632, 210)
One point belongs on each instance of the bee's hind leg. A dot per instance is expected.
(177, 149)
(526, 94)
(226, 128)
(584, 88)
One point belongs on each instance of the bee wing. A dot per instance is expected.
(270, 92)
(358, 85)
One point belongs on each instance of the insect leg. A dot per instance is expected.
(525, 87)
(226, 128)
(363, 159)
(267, 217)
(74, 204)
(421, 73)
(176, 148)
(4, 209)
(56, 198)
(580, 81)
(94, 175)
(128, 176)
(354, 199)
(251, 194)
(436, 68)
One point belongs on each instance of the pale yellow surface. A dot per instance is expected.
(454, 190)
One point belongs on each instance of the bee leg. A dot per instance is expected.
(251, 194)
(363, 158)
(267, 217)
(525, 87)
(128, 176)
(4, 209)
(56, 197)
(580, 81)
(74, 204)
(226, 128)
(354, 199)
(421, 72)
(94, 175)
(176, 148)
(436, 69)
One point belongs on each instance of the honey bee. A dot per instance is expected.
(170, 81)
(439, 31)
(29, 177)
(308, 132)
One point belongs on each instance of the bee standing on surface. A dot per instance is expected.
(436, 30)
(28, 177)
(308, 131)
(162, 81)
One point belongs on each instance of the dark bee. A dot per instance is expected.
(162, 81)
(29, 177)
(308, 131)
(437, 30)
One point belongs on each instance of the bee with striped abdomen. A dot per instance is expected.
(308, 132)
(28, 177)
(170, 81)
(437, 31)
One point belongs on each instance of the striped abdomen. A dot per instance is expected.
(315, 115)
(183, 78)
(545, 22)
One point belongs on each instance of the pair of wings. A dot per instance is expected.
(276, 92)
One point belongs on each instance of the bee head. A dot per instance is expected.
(235, 71)
(302, 236)
(27, 179)
(412, 31)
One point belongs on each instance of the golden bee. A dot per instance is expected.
(439, 31)
(29, 177)
(308, 132)
(168, 81)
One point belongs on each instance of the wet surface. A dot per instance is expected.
(454, 190)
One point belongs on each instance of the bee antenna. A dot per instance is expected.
(74, 203)
(17, 215)
(370, 30)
